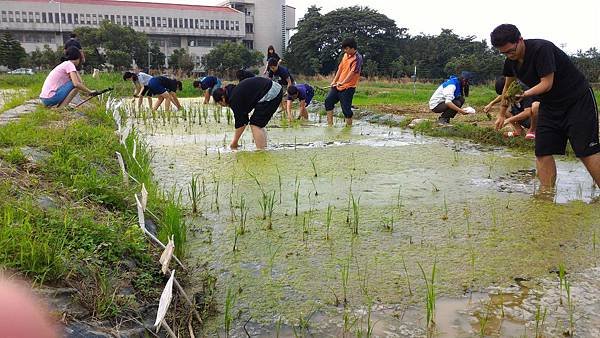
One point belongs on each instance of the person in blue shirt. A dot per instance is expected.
(279, 73)
(209, 84)
(304, 93)
(449, 98)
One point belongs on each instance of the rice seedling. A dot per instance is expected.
(472, 260)
(278, 326)
(561, 280)
(297, 194)
(467, 214)
(230, 299)
(279, 181)
(314, 186)
(407, 276)
(345, 274)
(272, 256)
(229, 116)
(313, 160)
(216, 183)
(483, 319)
(399, 199)
(540, 318)
(445, 215)
(328, 221)
(243, 215)
(267, 204)
(388, 223)
(349, 322)
(430, 295)
(194, 194)
(570, 308)
(303, 325)
(356, 215)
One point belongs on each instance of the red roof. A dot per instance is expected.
(155, 5)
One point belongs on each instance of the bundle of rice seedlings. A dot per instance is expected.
(513, 90)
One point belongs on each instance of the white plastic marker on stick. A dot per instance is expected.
(166, 256)
(163, 306)
(122, 165)
(144, 194)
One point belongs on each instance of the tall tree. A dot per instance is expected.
(228, 57)
(320, 36)
(12, 54)
(182, 60)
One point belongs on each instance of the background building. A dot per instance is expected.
(256, 23)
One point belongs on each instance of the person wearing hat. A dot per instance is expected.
(257, 94)
(209, 84)
(449, 97)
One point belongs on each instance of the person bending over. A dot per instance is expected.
(522, 113)
(165, 89)
(209, 84)
(449, 97)
(304, 93)
(259, 94)
(141, 89)
(64, 82)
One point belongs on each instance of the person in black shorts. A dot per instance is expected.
(568, 110)
(258, 93)
(522, 114)
(165, 89)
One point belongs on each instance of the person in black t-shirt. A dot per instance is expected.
(165, 89)
(74, 42)
(258, 93)
(568, 109)
(271, 54)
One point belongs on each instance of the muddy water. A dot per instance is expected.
(396, 200)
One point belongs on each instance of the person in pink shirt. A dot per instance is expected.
(64, 82)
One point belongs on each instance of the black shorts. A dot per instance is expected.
(576, 122)
(146, 92)
(265, 110)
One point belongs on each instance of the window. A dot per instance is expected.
(164, 22)
(63, 18)
(249, 28)
(88, 19)
(17, 16)
(227, 25)
(112, 18)
(136, 21)
(237, 25)
(130, 20)
(170, 23)
(185, 23)
(76, 18)
(50, 18)
(201, 23)
(4, 17)
(222, 24)
(31, 17)
(118, 19)
(142, 23)
(70, 18)
(212, 24)
(180, 23)
(153, 21)
(37, 17)
(56, 18)
(44, 17)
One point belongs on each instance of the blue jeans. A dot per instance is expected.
(60, 95)
(344, 97)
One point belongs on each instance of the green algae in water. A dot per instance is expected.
(525, 237)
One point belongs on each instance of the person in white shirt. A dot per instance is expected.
(140, 81)
(449, 98)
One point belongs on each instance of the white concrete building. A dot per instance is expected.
(268, 22)
(258, 23)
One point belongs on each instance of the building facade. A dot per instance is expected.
(198, 28)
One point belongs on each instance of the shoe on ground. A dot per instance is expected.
(443, 121)
(510, 134)
(530, 136)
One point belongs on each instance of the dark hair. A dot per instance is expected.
(220, 93)
(73, 35)
(503, 34)
(349, 42)
(273, 62)
(71, 53)
(196, 84)
(269, 48)
(179, 85)
(499, 86)
(130, 75)
(243, 74)
(292, 90)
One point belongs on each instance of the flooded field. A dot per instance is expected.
(335, 231)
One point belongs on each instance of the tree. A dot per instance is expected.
(157, 58)
(588, 63)
(228, 57)
(47, 58)
(320, 36)
(120, 60)
(182, 60)
(12, 54)
(370, 68)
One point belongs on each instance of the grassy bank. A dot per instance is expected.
(67, 219)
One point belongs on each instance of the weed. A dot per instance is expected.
(243, 215)
(561, 280)
(388, 223)
(407, 276)
(297, 193)
(570, 308)
(14, 156)
(194, 194)
(279, 181)
(445, 216)
(434, 187)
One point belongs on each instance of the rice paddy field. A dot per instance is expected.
(377, 231)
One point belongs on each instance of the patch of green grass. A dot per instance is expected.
(13, 156)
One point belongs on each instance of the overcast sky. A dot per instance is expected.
(572, 25)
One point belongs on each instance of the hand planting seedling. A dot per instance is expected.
(513, 92)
